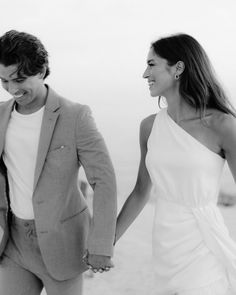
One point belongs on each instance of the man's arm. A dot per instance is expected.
(95, 159)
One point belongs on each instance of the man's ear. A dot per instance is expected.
(43, 73)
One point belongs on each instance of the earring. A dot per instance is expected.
(176, 77)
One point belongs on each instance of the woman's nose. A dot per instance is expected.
(145, 74)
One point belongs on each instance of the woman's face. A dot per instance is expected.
(159, 74)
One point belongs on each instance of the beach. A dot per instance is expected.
(132, 274)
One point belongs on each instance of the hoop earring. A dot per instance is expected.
(176, 77)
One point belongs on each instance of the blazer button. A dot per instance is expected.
(40, 202)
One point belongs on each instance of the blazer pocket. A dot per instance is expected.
(73, 215)
(57, 158)
(58, 151)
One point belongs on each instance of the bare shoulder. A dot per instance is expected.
(222, 122)
(146, 127)
(225, 126)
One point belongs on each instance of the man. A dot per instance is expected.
(47, 238)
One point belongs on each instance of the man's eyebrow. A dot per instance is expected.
(17, 78)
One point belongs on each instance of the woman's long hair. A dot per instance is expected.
(198, 84)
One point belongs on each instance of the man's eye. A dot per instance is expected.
(3, 81)
(20, 80)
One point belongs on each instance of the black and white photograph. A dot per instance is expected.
(118, 147)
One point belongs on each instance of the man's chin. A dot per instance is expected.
(21, 100)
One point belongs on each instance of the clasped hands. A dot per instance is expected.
(98, 263)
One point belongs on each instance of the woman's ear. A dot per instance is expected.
(180, 66)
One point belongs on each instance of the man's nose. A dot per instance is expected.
(12, 88)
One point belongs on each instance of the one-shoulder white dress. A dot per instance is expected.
(193, 252)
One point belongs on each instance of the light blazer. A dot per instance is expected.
(68, 139)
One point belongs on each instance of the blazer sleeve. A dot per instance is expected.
(94, 157)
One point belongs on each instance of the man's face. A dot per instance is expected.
(24, 89)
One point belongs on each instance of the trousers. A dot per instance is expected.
(22, 270)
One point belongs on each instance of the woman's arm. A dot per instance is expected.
(227, 129)
(140, 194)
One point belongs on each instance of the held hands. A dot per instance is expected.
(98, 263)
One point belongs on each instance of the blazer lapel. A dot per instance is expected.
(5, 114)
(48, 124)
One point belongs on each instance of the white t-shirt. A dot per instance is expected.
(20, 154)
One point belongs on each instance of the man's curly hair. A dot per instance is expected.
(24, 50)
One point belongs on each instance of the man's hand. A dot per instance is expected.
(98, 263)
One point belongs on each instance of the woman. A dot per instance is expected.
(183, 151)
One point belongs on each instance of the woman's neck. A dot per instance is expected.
(179, 110)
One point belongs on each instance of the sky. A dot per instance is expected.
(97, 54)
